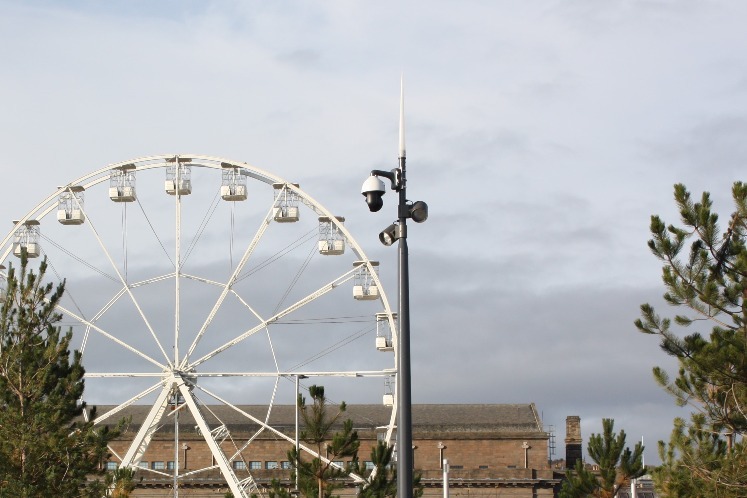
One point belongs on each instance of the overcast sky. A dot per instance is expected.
(542, 135)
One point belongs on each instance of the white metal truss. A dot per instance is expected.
(220, 457)
(149, 426)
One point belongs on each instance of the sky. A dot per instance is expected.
(543, 135)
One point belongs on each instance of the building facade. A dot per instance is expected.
(491, 449)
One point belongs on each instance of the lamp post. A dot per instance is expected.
(445, 466)
(296, 491)
(374, 188)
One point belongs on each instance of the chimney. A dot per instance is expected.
(572, 441)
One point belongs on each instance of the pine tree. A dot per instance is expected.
(318, 477)
(381, 481)
(579, 482)
(617, 463)
(676, 477)
(45, 450)
(121, 482)
(707, 279)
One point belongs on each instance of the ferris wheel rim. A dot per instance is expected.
(153, 161)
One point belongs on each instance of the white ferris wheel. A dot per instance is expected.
(194, 282)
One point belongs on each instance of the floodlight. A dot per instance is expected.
(419, 211)
(389, 235)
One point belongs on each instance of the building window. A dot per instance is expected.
(369, 465)
(239, 465)
(170, 465)
(456, 467)
(483, 467)
(143, 465)
(271, 465)
(254, 465)
(158, 466)
(112, 465)
(286, 465)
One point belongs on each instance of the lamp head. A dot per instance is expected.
(389, 235)
(373, 188)
(419, 211)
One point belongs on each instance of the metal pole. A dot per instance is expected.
(404, 396)
(445, 464)
(176, 446)
(297, 459)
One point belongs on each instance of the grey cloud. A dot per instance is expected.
(301, 58)
(542, 136)
(714, 143)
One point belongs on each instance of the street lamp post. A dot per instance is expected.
(374, 189)
(296, 491)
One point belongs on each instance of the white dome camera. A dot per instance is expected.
(373, 188)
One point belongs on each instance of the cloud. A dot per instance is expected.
(711, 143)
(542, 135)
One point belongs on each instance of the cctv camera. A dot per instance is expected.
(373, 188)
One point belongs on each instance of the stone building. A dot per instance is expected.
(492, 450)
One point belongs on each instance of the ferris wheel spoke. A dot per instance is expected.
(202, 279)
(98, 315)
(177, 259)
(227, 287)
(143, 437)
(275, 362)
(203, 225)
(109, 336)
(127, 403)
(153, 230)
(246, 305)
(122, 375)
(152, 280)
(275, 431)
(249, 416)
(293, 373)
(219, 456)
(125, 286)
(77, 258)
(290, 309)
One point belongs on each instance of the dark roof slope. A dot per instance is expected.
(478, 418)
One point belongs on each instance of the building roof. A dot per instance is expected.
(426, 418)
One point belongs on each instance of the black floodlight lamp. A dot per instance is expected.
(419, 211)
(389, 235)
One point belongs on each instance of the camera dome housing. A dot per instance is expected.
(373, 188)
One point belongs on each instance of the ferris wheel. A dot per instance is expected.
(196, 282)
